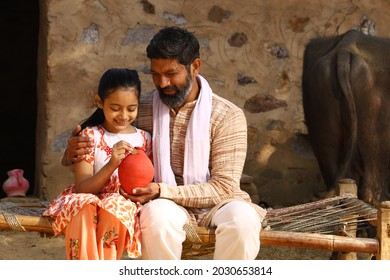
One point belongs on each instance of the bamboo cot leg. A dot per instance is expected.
(348, 186)
(383, 231)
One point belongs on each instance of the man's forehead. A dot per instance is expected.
(165, 64)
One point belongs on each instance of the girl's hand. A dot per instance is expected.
(119, 152)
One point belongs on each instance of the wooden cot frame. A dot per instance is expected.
(200, 240)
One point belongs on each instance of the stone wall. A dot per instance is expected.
(252, 55)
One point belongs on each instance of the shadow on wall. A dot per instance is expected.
(291, 175)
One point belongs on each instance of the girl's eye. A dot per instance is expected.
(132, 108)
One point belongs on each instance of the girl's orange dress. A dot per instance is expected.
(100, 226)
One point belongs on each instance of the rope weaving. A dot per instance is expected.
(327, 216)
(13, 222)
(9, 210)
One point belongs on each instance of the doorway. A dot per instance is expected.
(19, 26)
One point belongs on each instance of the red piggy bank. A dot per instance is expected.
(135, 171)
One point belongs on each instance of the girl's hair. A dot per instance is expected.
(112, 79)
(174, 43)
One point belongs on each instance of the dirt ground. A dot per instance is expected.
(16, 245)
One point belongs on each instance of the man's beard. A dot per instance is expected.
(178, 99)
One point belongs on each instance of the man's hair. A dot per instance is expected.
(174, 43)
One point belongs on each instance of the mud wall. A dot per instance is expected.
(252, 55)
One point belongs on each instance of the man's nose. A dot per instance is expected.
(164, 82)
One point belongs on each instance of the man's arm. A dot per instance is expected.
(227, 154)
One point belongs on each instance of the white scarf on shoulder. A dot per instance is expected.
(197, 141)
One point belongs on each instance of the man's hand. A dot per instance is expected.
(78, 147)
(143, 195)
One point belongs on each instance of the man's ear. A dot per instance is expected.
(99, 101)
(196, 66)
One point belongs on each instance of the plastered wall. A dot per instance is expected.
(252, 55)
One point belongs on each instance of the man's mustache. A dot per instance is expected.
(168, 88)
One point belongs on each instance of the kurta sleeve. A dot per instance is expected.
(227, 157)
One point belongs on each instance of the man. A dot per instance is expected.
(199, 150)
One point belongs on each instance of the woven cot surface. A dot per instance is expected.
(337, 215)
(328, 216)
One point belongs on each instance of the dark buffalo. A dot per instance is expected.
(346, 100)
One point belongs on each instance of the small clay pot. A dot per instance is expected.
(16, 184)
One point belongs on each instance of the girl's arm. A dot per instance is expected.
(87, 182)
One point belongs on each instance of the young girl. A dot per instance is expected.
(98, 222)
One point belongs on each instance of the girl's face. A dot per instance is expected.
(120, 109)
